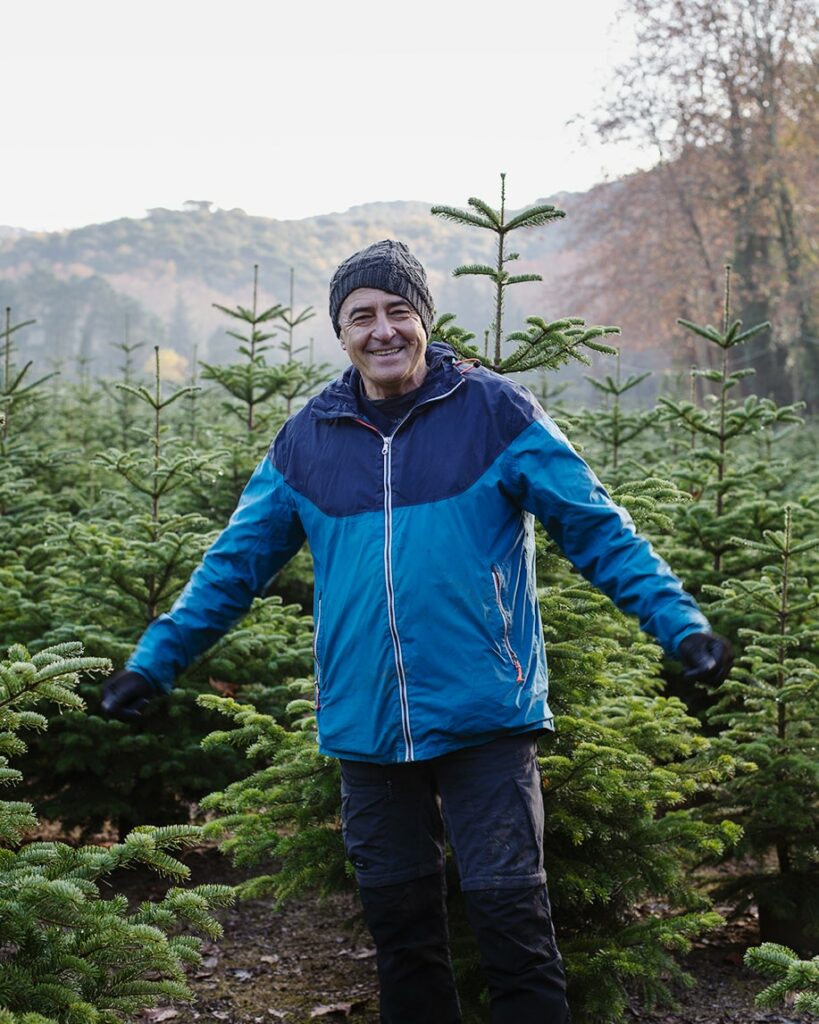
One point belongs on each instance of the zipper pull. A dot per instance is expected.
(386, 447)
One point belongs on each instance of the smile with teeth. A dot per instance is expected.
(385, 351)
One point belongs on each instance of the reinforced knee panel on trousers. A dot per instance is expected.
(519, 955)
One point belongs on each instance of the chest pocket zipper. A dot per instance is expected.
(316, 633)
(507, 622)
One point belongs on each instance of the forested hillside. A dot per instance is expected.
(164, 271)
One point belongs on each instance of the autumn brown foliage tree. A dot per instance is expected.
(720, 93)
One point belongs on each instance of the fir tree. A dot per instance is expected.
(793, 979)
(769, 713)
(726, 502)
(542, 344)
(614, 427)
(304, 377)
(70, 955)
(253, 387)
(120, 566)
(24, 505)
(253, 383)
(124, 397)
(262, 397)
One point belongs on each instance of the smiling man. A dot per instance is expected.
(416, 479)
(385, 340)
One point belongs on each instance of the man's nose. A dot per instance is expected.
(383, 328)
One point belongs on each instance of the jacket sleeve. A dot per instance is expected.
(549, 479)
(264, 532)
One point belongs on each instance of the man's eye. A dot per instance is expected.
(400, 314)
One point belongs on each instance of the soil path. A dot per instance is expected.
(312, 960)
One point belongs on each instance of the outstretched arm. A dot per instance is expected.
(550, 480)
(264, 532)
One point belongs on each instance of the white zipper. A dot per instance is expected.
(507, 619)
(386, 451)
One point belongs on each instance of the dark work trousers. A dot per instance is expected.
(487, 801)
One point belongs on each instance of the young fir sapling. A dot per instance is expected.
(73, 950)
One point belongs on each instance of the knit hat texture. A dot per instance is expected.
(387, 265)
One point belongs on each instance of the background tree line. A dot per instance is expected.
(721, 95)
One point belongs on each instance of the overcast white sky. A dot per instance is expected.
(288, 109)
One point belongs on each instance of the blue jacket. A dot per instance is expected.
(427, 627)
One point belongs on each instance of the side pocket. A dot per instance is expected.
(507, 623)
(316, 633)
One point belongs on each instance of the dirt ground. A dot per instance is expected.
(314, 961)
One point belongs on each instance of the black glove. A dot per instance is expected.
(706, 657)
(125, 695)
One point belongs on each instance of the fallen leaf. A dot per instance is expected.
(227, 689)
(159, 1014)
(324, 1011)
(361, 954)
(273, 958)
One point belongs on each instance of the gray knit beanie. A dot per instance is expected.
(387, 265)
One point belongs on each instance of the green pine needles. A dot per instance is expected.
(253, 385)
(68, 955)
(793, 980)
(768, 711)
(286, 809)
(16, 392)
(543, 343)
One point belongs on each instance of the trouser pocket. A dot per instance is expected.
(391, 821)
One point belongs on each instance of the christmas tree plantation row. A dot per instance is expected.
(111, 491)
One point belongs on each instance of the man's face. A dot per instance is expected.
(384, 338)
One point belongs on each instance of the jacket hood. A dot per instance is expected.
(340, 397)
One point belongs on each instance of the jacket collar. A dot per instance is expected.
(340, 397)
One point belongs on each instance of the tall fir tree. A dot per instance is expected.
(724, 483)
(768, 711)
(547, 344)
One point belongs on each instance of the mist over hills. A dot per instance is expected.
(160, 274)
